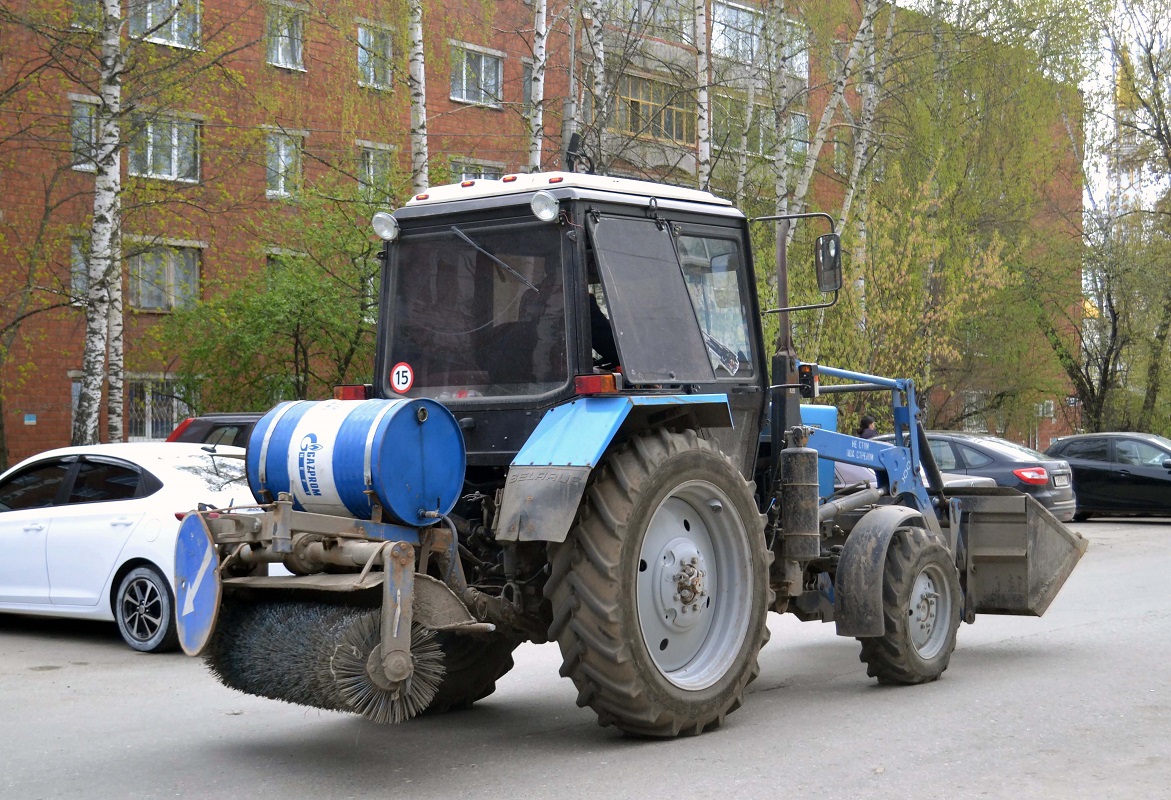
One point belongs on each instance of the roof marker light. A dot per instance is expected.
(558, 179)
(508, 178)
(468, 183)
(422, 196)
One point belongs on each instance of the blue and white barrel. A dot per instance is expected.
(327, 454)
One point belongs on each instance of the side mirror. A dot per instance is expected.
(725, 262)
(1167, 463)
(828, 259)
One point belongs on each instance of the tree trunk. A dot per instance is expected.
(703, 79)
(417, 83)
(742, 156)
(115, 394)
(1156, 350)
(104, 228)
(599, 103)
(537, 112)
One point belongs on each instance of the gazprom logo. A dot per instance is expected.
(307, 465)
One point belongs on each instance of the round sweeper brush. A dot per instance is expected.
(348, 668)
(315, 654)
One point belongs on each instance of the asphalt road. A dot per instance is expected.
(1074, 705)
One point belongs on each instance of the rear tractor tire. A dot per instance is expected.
(660, 591)
(921, 604)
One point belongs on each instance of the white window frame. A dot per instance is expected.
(284, 36)
(83, 145)
(461, 54)
(797, 134)
(730, 38)
(285, 179)
(375, 48)
(171, 22)
(369, 154)
(171, 254)
(796, 50)
(470, 169)
(152, 383)
(153, 135)
(762, 124)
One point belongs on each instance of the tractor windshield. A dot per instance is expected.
(478, 311)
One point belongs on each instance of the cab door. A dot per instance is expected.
(27, 501)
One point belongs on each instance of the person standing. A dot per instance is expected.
(867, 428)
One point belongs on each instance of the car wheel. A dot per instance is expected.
(145, 611)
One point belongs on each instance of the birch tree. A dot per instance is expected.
(703, 105)
(105, 263)
(536, 115)
(417, 83)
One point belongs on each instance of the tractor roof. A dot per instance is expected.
(531, 182)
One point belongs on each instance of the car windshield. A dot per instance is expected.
(478, 312)
(1012, 450)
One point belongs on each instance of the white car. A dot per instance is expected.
(90, 532)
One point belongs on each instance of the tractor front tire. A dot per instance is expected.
(660, 591)
(921, 604)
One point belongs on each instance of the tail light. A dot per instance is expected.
(182, 426)
(606, 383)
(1037, 476)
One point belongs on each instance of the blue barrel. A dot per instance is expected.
(327, 454)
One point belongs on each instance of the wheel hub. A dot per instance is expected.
(924, 611)
(680, 570)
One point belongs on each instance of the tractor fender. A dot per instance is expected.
(548, 476)
(858, 584)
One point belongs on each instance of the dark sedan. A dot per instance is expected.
(1118, 473)
(1047, 479)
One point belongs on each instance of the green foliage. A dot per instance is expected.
(306, 324)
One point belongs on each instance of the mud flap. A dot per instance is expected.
(1018, 555)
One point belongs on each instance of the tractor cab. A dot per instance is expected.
(503, 299)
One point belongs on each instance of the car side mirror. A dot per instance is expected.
(828, 259)
(1167, 463)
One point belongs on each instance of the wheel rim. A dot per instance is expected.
(929, 611)
(142, 609)
(694, 585)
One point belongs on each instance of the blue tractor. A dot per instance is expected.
(562, 442)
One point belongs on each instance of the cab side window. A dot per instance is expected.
(712, 267)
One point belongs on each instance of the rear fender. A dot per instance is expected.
(548, 477)
(858, 584)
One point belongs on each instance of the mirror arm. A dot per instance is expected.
(832, 301)
(808, 215)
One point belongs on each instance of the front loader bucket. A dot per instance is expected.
(1018, 554)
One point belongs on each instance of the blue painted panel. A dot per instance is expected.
(826, 418)
(576, 433)
(197, 584)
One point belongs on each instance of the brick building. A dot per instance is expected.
(238, 105)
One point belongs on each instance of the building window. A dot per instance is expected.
(526, 91)
(795, 50)
(376, 168)
(672, 19)
(286, 27)
(164, 278)
(78, 271)
(374, 52)
(83, 135)
(283, 164)
(174, 22)
(153, 408)
(165, 148)
(843, 150)
(975, 411)
(473, 171)
(798, 126)
(476, 76)
(658, 110)
(729, 123)
(735, 32)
